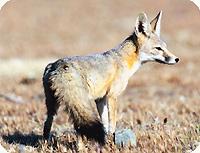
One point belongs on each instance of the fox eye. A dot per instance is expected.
(158, 48)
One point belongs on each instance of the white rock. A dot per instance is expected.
(2, 150)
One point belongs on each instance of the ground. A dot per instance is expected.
(160, 104)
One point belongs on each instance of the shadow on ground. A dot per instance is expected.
(35, 140)
(31, 139)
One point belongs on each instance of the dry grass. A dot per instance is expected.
(161, 103)
(164, 116)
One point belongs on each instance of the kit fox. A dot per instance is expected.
(88, 86)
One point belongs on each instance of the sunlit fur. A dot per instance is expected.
(88, 86)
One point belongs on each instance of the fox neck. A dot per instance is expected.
(129, 51)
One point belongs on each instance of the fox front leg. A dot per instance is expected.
(112, 114)
(107, 109)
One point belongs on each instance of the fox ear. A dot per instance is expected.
(156, 23)
(142, 25)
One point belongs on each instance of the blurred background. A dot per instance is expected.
(34, 29)
(36, 32)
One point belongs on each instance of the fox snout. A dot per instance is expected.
(171, 60)
(168, 58)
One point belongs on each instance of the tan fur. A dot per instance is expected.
(132, 56)
(88, 86)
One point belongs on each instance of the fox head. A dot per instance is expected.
(150, 46)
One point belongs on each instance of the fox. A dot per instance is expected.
(88, 86)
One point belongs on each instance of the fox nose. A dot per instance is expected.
(177, 59)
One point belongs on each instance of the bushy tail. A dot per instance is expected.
(74, 97)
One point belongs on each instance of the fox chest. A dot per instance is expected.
(120, 83)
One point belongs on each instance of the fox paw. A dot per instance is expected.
(124, 137)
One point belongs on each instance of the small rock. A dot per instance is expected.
(125, 137)
(21, 148)
(3, 150)
(197, 150)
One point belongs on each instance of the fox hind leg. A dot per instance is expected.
(52, 108)
(47, 127)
